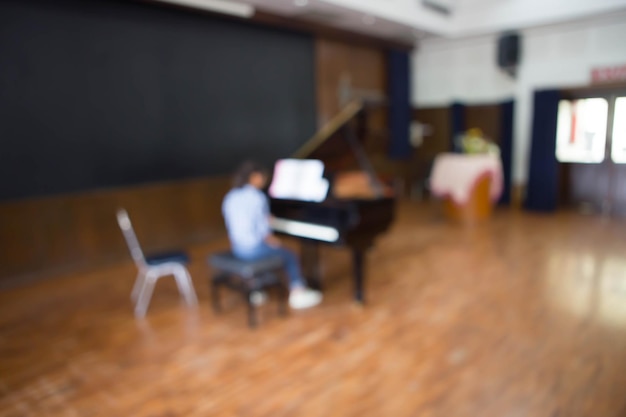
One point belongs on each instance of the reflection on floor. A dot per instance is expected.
(525, 316)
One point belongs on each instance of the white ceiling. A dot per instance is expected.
(411, 19)
(489, 16)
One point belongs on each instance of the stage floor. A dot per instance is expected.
(523, 316)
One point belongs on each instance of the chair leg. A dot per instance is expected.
(185, 286)
(145, 294)
(283, 297)
(139, 282)
(215, 295)
(252, 319)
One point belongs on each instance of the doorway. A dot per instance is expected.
(591, 148)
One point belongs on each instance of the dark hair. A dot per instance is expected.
(245, 171)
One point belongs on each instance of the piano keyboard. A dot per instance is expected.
(305, 230)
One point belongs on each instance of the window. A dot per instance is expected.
(581, 130)
(618, 146)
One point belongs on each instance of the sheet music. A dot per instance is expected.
(297, 179)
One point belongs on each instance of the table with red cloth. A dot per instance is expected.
(469, 183)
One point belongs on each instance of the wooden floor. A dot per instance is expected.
(525, 316)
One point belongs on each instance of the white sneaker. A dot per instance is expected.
(304, 298)
(258, 298)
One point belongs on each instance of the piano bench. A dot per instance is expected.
(247, 277)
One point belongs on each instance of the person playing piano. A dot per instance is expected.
(246, 214)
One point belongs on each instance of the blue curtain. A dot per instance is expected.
(457, 124)
(542, 186)
(507, 110)
(399, 83)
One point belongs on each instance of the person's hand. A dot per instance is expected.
(273, 241)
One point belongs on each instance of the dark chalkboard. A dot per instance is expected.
(106, 93)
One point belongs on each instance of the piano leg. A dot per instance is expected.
(357, 259)
(309, 254)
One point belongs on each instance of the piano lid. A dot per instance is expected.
(338, 145)
(329, 130)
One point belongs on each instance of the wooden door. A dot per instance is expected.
(591, 139)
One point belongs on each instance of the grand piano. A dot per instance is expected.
(359, 207)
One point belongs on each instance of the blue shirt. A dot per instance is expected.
(246, 213)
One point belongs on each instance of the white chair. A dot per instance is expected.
(152, 268)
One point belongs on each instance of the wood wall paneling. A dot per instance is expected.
(438, 118)
(485, 117)
(364, 67)
(49, 235)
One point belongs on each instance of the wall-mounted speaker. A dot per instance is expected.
(509, 51)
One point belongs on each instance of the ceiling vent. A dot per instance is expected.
(444, 7)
